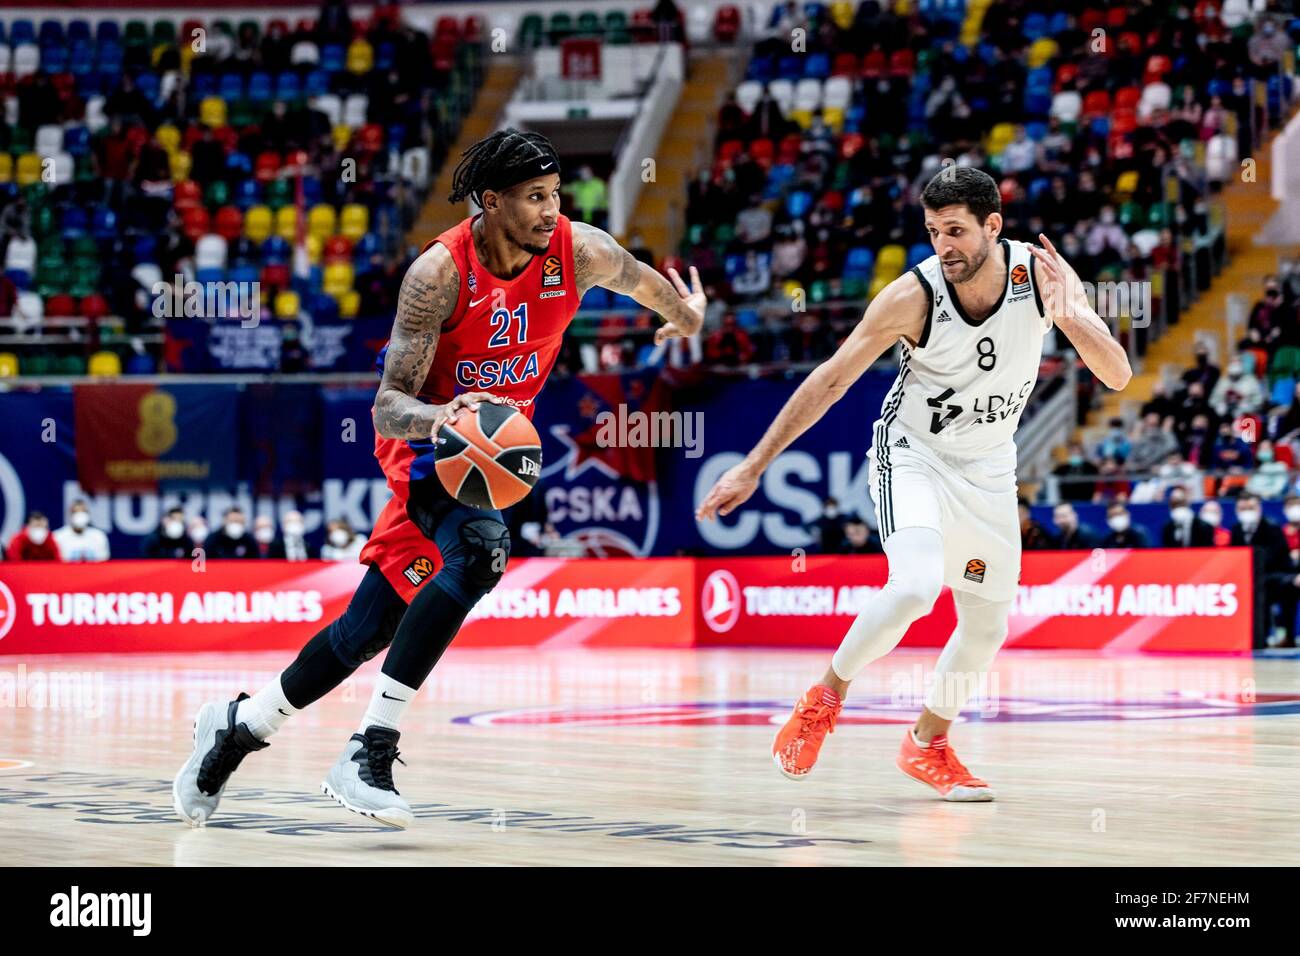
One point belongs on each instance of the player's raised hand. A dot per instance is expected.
(693, 301)
(469, 401)
(728, 493)
(1059, 284)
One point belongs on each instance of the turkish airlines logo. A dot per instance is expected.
(8, 609)
(720, 601)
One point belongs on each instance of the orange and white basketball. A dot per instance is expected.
(489, 458)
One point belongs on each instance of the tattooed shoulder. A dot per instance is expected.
(598, 260)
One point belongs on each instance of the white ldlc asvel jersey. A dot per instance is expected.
(962, 387)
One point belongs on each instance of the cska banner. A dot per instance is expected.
(1184, 601)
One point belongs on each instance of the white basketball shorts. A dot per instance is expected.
(972, 503)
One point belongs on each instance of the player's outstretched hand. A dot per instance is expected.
(692, 299)
(728, 493)
(447, 414)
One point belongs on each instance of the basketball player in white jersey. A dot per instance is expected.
(942, 471)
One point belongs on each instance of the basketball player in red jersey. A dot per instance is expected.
(480, 318)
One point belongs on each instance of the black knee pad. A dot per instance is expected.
(485, 543)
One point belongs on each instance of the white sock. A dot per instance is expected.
(265, 711)
(387, 704)
(919, 742)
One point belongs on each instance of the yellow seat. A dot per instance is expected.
(186, 49)
(834, 117)
(791, 288)
(29, 169)
(286, 305)
(361, 57)
(105, 363)
(6, 168)
(1127, 182)
(355, 221)
(212, 111)
(257, 223)
(902, 8)
(321, 221)
(286, 223)
(842, 13)
(342, 134)
(349, 304)
(8, 363)
(180, 163)
(169, 137)
(803, 117)
(315, 248)
(890, 262)
(1042, 50)
(877, 286)
(337, 279)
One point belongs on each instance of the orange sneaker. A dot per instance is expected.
(939, 767)
(796, 745)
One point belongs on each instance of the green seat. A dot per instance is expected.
(279, 192)
(84, 169)
(20, 140)
(820, 291)
(44, 221)
(615, 20)
(854, 288)
(725, 232)
(218, 193)
(69, 365)
(697, 235)
(1285, 364)
(39, 364)
(1131, 213)
(85, 279)
(136, 33)
(85, 247)
(164, 31)
(589, 23)
(50, 278)
(1157, 216)
(531, 28)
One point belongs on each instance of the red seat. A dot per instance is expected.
(643, 26)
(188, 28)
(788, 152)
(193, 133)
(1127, 97)
(873, 64)
(337, 248)
(195, 222)
(186, 193)
(230, 223)
(275, 276)
(62, 82)
(94, 306)
(447, 26)
(850, 143)
(833, 200)
(60, 306)
(267, 166)
(1157, 66)
(306, 25)
(227, 136)
(1116, 17)
(763, 152)
(370, 138)
(729, 150)
(902, 63)
(473, 29)
(1123, 120)
(1131, 40)
(846, 64)
(726, 23)
(675, 262)
(1066, 74)
(1092, 20)
(277, 22)
(1096, 103)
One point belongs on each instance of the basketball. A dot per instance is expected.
(489, 458)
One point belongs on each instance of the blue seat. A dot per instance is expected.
(20, 278)
(317, 83)
(1283, 392)
(54, 59)
(104, 224)
(78, 31)
(366, 246)
(790, 67)
(146, 249)
(761, 68)
(308, 285)
(248, 192)
(331, 58)
(623, 303)
(275, 250)
(818, 66)
(237, 162)
(51, 32)
(323, 308)
(1037, 102)
(918, 253)
(75, 223)
(734, 264)
(230, 87)
(22, 31)
(1059, 23)
(1039, 188)
(596, 298)
(311, 190)
(202, 85)
(244, 273)
(259, 87)
(81, 60)
(1100, 126)
(107, 30)
(1037, 131)
(140, 363)
(1035, 26)
(860, 262)
(385, 56)
(748, 319)
(287, 87)
(798, 203)
(149, 84)
(209, 276)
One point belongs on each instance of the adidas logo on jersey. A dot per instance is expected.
(902, 442)
(944, 316)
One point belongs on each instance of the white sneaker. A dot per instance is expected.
(362, 779)
(220, 745)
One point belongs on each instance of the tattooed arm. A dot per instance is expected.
(427, 299)
(599, 260)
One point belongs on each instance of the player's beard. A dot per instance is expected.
(527, 244)
(972, 265)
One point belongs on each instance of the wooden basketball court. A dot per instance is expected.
(639, 757)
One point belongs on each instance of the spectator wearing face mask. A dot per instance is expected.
(33, 542)
(1270, 557)
(292, 545)
(1237, 393)
(77, 540)
(829, 528)
(1230, 452)
(1212, 514)
(1122, 533)
(1271, 476)
(1078, 468)
(343, 544)
(1116, 444)
(1184, 529)
(199, 532)
(1204, 373)
(1070, 534)
(232, 540)
(1153, 443)
(169, 540)
(265, 541)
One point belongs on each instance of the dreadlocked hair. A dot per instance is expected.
(490, 160)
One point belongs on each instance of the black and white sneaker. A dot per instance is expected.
(220, 745)
(362, 779)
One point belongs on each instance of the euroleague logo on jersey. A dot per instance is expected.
(552, 271)
(1019, 279)
(720, 601)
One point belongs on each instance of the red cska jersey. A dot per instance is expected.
(502, 338)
